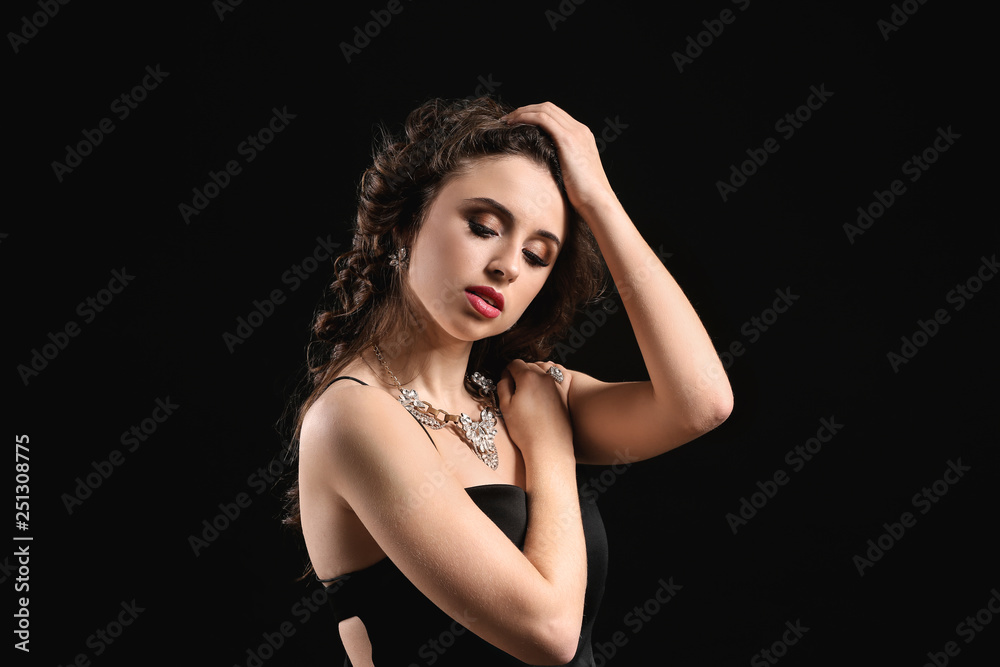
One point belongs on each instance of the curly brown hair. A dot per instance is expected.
(369, 301)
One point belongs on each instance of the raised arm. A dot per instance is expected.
(688, 392)
(528, 604)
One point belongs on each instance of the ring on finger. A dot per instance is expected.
(556, 374)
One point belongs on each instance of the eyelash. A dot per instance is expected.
(485, 232)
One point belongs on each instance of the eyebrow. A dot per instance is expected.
(505, 212)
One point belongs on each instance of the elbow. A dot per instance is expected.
(557, 641)
(552, 638)
(722, 407)
(712, 412)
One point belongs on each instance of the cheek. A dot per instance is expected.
(423, 272)
(438, 244)
(438, 266)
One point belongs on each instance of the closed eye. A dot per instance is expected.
(535, 259)
(485, 232)
(480, 230)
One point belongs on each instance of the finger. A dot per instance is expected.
(546, 365)
(547, 115)
(543, 107)
(551, 124)
(573, 142)
(517, 368)
(509, 382)
(541, 367)
(505, 387)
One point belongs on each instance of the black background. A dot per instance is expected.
(826, 357)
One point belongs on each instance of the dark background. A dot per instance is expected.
(826, 357)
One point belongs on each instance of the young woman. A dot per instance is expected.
(442, 511)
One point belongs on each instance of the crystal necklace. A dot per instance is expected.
(477, 434)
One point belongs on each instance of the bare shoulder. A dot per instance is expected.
(348, 423)
(337, 410)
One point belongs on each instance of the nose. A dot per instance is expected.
(506, 264)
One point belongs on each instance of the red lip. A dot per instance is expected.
(477, 297)
(488, 293)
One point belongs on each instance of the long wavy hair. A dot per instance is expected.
(369, 301)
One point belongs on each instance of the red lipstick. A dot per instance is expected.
(486, 300)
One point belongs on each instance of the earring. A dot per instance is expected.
(399, 261)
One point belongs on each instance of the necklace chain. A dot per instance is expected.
(479, 435)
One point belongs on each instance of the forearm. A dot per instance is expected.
(554, 542)
(684, 369)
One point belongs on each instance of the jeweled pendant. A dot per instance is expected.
(480, 436)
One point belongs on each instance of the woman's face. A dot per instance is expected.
(488, 243)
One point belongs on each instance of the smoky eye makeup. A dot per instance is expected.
(482, 221)
(480, 229)
(535, 259)
(484, 231)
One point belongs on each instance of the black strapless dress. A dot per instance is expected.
(408, 630)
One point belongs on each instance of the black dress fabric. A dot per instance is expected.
(408, 630)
